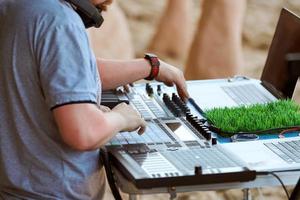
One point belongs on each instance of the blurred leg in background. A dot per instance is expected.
(174, 31)
(216, 51)
(115, 30)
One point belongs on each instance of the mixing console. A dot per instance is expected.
(177, 148)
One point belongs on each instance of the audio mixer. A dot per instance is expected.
(176, 149)
(179, 147)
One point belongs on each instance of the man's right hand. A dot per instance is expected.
(171, 75)
(132, 119)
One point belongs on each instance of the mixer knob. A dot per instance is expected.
(188, 115)
(158, 89)
(195, 122)
(185, 108)
(198, 170)
(214, 141)
(203, 120)
(195, 119)
(173, 107)
(149, 89)
(199, 127)
(191, 118)
(147, 86)
(202, 128)
(208, 135)
(199, 124)
(166, 98)
(173, 95)
(205, 129)
(178, 112)
(176, 99)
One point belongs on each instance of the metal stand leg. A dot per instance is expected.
(247, 194)
(133, 197)
(173, 193)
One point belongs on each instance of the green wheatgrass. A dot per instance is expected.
(281, 113)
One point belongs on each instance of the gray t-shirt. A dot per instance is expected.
(45, 61)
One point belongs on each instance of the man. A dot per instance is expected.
(51, 126)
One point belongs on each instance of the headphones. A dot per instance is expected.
(90, 14)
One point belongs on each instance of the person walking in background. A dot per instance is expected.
(216, 50)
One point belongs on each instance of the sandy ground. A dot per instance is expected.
(259, 25)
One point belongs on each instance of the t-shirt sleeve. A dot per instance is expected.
(67, 67)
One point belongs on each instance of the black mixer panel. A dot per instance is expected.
(176, 149)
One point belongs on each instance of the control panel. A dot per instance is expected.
(176, 148)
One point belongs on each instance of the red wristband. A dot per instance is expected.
(154, 62)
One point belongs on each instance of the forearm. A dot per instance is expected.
(116, 73)
(103, 131)
(85, 127)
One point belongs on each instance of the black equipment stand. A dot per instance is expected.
(296, 192)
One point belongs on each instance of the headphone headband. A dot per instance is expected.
(90, 15)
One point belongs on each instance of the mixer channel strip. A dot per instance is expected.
(112, 98)
(155, 134)
(148, 108)
(154, 164)
(211, 159)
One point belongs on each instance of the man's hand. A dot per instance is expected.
(132, 119)
(85, 127)
(170, 75)
(137, 69)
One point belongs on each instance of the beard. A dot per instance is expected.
(103, 6)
